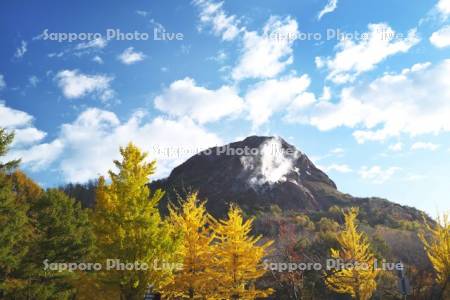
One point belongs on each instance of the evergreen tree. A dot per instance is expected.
(25, 189)
(62, 234)
(359, 280)
(191, 220)
(438, 251)
(128, 227)
(238, 258)
(82, 192)
(14, 224)
(6, 139)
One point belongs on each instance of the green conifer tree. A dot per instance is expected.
(14, 224)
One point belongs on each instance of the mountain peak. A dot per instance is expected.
(255, 141)
(261, 171)
(257, 171)
(258, 139)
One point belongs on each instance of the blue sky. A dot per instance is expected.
(371, 109)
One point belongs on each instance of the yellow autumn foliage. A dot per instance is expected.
(359, 281)
(437, 247)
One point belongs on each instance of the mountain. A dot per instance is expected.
(261, 172)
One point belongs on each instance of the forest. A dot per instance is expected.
(109, 239)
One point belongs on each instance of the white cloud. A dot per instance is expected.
(129, 56)
(27, 135)
(76, 85)
(354, 58)
(333, 153)
(267, 54)
(185, 98)
(212, 14)
(21, 123)
(33, 80)
(443, 7)
(142, 13)
(441, 38)
(57, 54)
(339, 168)
(301, 102)
(378, 111)
(220, 57)
(92, 142)
(25, 145)
(20, 52)
(97, 59)
(86, 148)
(39, 156)
(98, 43)
(337, 151)
(326, 94)
(377, 174)
(11, 118)
(329, 8)
(424, 146)
(267, 97)
(396, 147)
(2, 82)
(263, 55)
(157, 25)
(80, 49)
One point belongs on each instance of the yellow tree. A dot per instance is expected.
(358, 278)
(129, 228)
(238, 258)
(192, 221)
(438, 249)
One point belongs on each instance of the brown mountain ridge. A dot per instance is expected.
(261, 172)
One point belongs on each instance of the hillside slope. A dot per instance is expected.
(261, 172)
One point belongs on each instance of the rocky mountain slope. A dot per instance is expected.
(261, 172)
